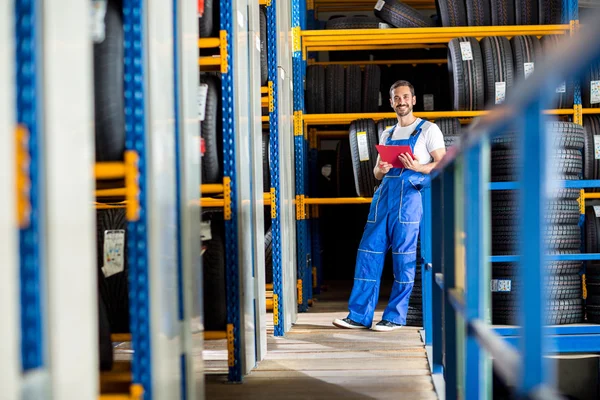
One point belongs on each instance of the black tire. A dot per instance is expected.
(467, 85)
(552, 268)
(353, 92)
(503, 12)
(592, 232)
(384, 124)
(498, 66)
(355, 23)
(453, 12)
(526, 49)
(371, 87)
(558, 237)
(563, 95)
(105, 351)
(364, 149)
(401, 15)
(264, 64)
(565, 162)
(557, 287)
(334, 99)
(344, 170)
(593, 74)
(206, 22)
(506, 212)
(559, 312)
(109, 100)
(213, 263)
(315, 89)
(479, 12)
(527, 12)
(114, 289)
(564, 135)
(550, 12)
(268, 257)
(450, 128)
(212, 160)
(591, 165)
(593, 309)
(414, 317)
(266, 162)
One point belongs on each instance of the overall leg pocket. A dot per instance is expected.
(372, 217)
(411, 204)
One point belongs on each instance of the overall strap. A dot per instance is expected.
(418, 128)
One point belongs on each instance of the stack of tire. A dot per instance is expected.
(484, 73)
(592, 276)
(213, 270)
(414, 316)
(562, 233)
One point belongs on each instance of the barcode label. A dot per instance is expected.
(529, 67)
(363, 146)
(466, 51)
(500, 92)
(379, 5)
(501, 285)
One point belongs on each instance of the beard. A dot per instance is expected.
(402, 112)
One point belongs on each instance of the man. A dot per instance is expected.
(394, 216)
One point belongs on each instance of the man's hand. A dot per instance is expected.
(385, 167)
(381, 169)
(411, 163)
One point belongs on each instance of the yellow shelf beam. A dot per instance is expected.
(338, 200)
(209, 43)
(380, 62)
(109, 170)
(119, 192)
(590, 111)
(212, 188)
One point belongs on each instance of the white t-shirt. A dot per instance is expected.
(430, 139)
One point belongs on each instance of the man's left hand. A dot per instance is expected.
(409, 162)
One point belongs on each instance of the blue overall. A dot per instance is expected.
(393, 222)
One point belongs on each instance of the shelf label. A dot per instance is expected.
(379, 5)
(257, 41)
(114, 252)
(202, 92)
(467, 52)
(529, 67)
(597, 211)
(428, 102)
(383, 25)
(205, 231)
(597, 147)
(500, 92)
(562, 88)
(282, 73)
(501, 285)
(363, 146)
(595, 92)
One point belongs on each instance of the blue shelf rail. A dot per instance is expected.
(278, 303)
(462, 240)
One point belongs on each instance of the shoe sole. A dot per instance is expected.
(386, 329)
(347, 326)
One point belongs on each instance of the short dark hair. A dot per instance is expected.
(402, 83)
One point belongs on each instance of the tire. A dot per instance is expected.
(400, 15)
(564, 95)
(557, 287)
(334, 98)
(592, 232)
(384, 124)
(208, 19)
(527, 12)
(264, 64)
(345, 186)
(591, 165)
(550, 12)
(453, 12)
(479, 12)
(371, 88)
(558, 312)
(593, 309)
(450, 128)
(526, 49)
(414, 317)
(212, 160)
(593, 74)
(356, 23)
(353, 92)
(364, 155)
(503, 12)
(315, 89)
(109, 100)
(498, 66)
(266, 162)
(565, 162)
(114, 289)
(105, 350)
(558, 237)
(213, 261)
(467, 88)
(564, 212)
(552, 268)
(268, 257)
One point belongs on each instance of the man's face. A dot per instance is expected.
(402, 101)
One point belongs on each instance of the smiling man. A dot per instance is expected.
(394, 216)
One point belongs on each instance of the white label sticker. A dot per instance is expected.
(257, 41)
(114, 252)
(595, 92)
(363, 146)
(205, 231)
(500, 92)
(467, 52)
(291, 85)
(383, 25)
(428, 102)
(562, 88)
(241, 19)
(379, 5)
(501, 285)
(529, 67)
(98, 14)
(597, 211)
(202, 91)
(597, 147)
(282, 73)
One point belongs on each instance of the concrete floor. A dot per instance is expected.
(315, 360)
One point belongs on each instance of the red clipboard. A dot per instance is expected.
(390, 154)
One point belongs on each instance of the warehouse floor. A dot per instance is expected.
(315, 360)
